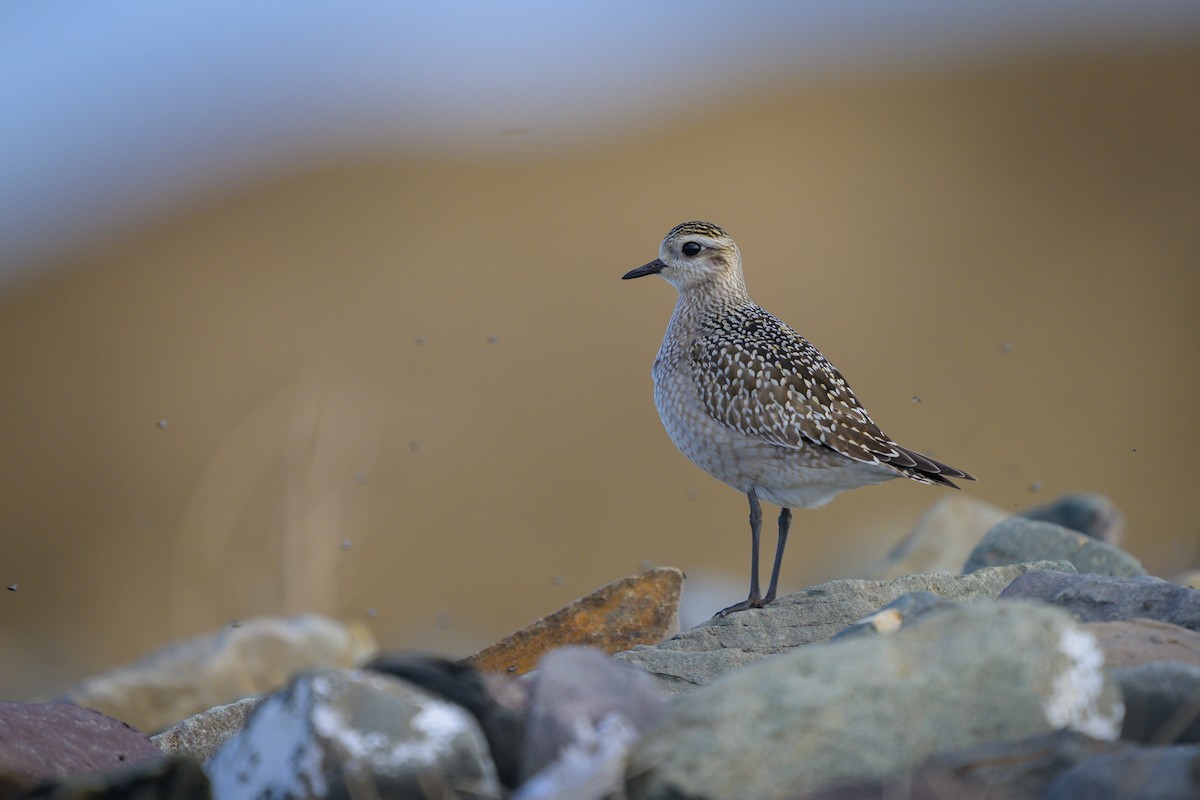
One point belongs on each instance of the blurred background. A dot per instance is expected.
(316, 307)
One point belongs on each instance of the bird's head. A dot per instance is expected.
(693, 255)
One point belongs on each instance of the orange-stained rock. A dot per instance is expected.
(640, 609)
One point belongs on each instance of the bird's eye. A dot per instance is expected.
(690, 248)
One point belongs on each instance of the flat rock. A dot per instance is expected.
(699, 656)
(54, 741)
(201, 735)
(942, 538)
(1090, 513)
(254, 657)
(1143, 773)
(1162, 702)
(1094, 598)
(1128, 643)
(1019, 539)
(639, 609)
(355, 734)
(875, 708)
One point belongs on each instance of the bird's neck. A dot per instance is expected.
(698, 302)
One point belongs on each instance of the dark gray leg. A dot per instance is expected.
(785, 523)
(755, 599)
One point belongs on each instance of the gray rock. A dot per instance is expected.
(699, 656)
(1002, 770)
(942, 538)
(354, 734)
(1087, 512)
(1144, 773)
(52, 741)
(497, 701)
(590, 767)
(1018, 539)
(902, 611)
(1129, 643)
(873, 708)
(574, 689)
(201, 735)
(1162, 702)
(1094, 598)
(254, 657)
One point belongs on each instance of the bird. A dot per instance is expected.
(757, 406)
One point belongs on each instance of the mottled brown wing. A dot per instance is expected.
(758, 376)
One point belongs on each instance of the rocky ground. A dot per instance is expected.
(991, 657)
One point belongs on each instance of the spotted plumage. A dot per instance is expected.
(753, 403)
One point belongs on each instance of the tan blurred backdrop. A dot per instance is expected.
(420, 390)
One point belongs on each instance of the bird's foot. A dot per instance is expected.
(745, 605)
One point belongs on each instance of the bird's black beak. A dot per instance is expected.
(653, 268)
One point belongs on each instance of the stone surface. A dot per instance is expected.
(201, 735)
(1018, 539)
(1006, 770)
(1145, 773)
(699, 656)
(874, 708)
(905, 609)
(1087, 512)
(1162, 702)
(1128, 643)
(590, 767)
(942, 538)
(52, 741)
(1096, 598)
(254, 657)
(355, 734)
(161, 778)
(572, 692)
(640, 609)
(498, 702)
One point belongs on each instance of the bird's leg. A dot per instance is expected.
(755, 599)
(785, 523)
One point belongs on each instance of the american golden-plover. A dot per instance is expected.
(753, 404)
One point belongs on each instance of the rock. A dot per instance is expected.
(54, 741)
(942, 538)
(1017, 539)
(1095, 597)
(1144, 773)
(201, 735)
(355, 734)
(498, 702)
(1007, 770)
(699, 656)
(161, 778)
(900, 612)
(590, 767)
(1162, 702)
(253, 657)
(1090, 513)
(573, 691)
(874, 708)
(640, 609)
(1128, 643)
